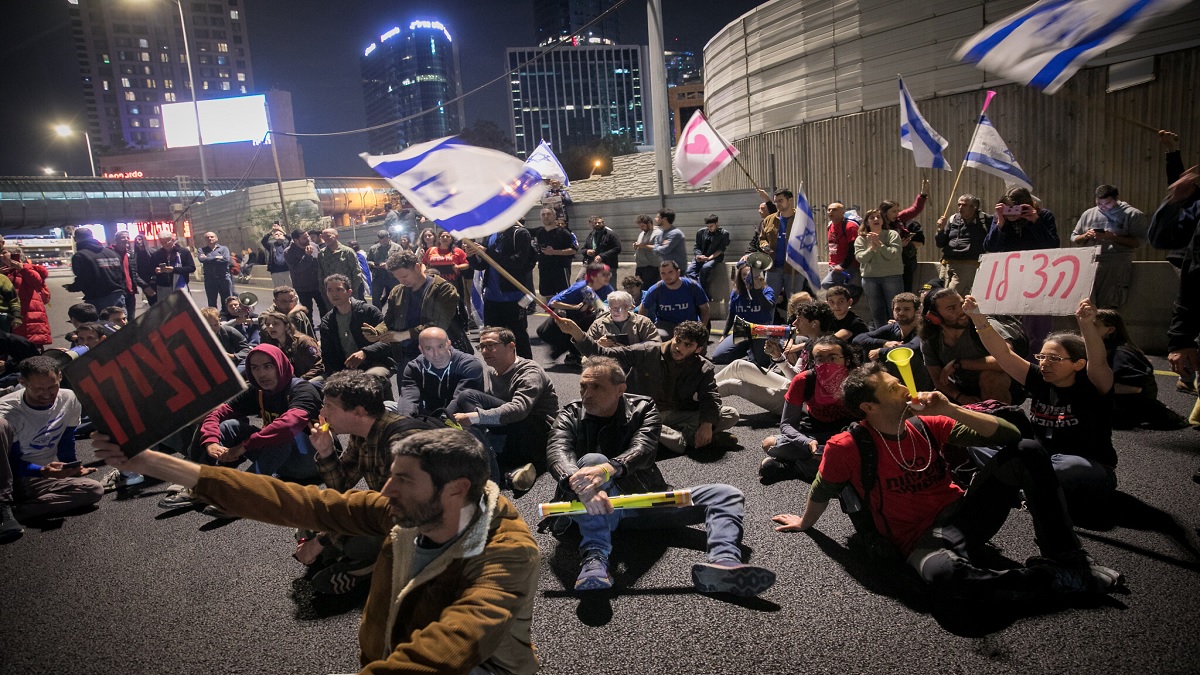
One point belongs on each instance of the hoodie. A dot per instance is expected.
(285, 411)
(98, 271)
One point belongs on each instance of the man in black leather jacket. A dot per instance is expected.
(604, 445)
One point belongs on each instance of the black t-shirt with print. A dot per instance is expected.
(1075, 420)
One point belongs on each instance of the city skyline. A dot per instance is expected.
(303, 48)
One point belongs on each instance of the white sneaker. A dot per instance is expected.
(121, 479)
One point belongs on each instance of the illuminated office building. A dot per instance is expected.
(409, 71)
(557, 19)
(131, 61)
(578, 95)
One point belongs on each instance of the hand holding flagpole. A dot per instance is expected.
(478, 250)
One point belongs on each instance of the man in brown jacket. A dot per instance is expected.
(456, 577)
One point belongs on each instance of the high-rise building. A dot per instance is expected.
(132, 60)
(682, 68)
(409, 71)
(578, 95)
(557, 19)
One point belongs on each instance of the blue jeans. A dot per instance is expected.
(880, 291)
(726, 352)
(291, 461)
(702, 272)
(114, 299)
(720, 507)
(847, 278)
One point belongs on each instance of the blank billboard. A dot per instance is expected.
(224, 120)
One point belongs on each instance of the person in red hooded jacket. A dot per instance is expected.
(280, 447)
(30, 282)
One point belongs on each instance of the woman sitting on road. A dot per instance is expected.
(303, 351)
(1071, 399)
(754, 301)
(1135, 400)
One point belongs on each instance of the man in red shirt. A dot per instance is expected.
(928, 519)
(843, 268)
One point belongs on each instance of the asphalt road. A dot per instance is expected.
(129, 588)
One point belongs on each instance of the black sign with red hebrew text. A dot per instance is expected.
(160, 373)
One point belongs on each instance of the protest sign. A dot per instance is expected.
(155, 376)
(1048, 281)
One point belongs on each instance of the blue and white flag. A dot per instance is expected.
(467, 190)
(802, 241)
(1044, 44)
(543, 160)
(989, 153)
(928, 146)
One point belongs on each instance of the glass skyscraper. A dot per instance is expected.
(577, 95)
(406, 72)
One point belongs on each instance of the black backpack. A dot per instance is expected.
(874, 542)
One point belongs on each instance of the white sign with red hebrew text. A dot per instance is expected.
(1048, 281)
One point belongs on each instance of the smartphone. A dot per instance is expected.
(1012, 210)
(72, 465)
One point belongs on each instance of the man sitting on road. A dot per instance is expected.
(353, 405)
(903, 331)
(955, 357)
(458, 569)
(677, 377)
(39, 474)
(418, 301)
(432, 381)
(515, 409)
(673, 300)
(927, 518)
(604, 446)
(846, 324)
(621, 326)
(288, 302)
(344, 344)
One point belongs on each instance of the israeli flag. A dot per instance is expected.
(927, 151)
(1044, 44)
(989, 153)
(802, 241)
(468, 191)
(543, 161)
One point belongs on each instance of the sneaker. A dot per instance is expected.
(184, 499)
(10, 529)
(214, 512)
(736, 578)
(343, 577)
(523, 478)
(120, 479)
(1079, 576)
(772, 471)
(593, 575)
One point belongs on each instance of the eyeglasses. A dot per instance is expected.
(828, 358)
(1052, 358)
(488, 345)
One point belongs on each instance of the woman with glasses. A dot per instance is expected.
(1070, 389)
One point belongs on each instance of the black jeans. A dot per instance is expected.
(509, 315)
(307, 298)
(943, 554)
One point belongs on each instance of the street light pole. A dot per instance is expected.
(657, 71)
(187, 55)
(91, 159)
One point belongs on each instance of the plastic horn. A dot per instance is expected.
(647, 500)
(902, 357)
(743, 330)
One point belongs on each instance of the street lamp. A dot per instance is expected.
(50, 172)
(187, 55)
(66, 131)
(595, 165)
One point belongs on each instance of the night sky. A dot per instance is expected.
(308, 47)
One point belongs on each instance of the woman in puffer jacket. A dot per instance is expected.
(30, 282)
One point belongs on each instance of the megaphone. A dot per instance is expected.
(760, 262)
(248, 299)
(743, 330)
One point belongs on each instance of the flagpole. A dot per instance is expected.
(478, 250)
(963, 166)
(727, 146)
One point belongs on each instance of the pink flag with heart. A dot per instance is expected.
(701, 151)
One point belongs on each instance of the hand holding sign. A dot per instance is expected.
(1044, 281)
